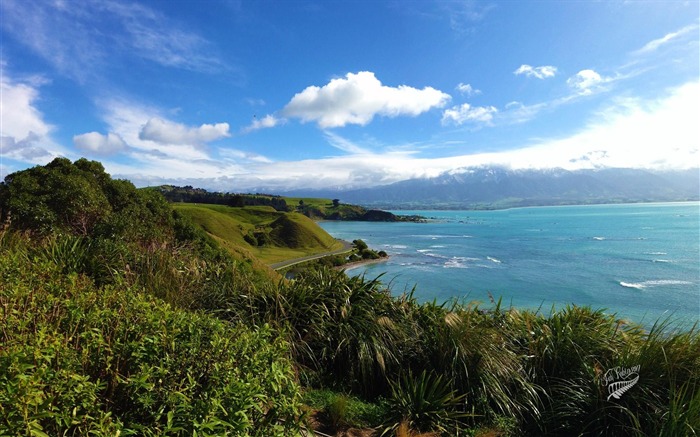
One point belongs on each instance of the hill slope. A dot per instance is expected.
(261, 232)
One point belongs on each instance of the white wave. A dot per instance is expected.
(656, 283)
(662, 261)
(667, 282)
(655, 253)
(437, 246)
(396, 246)
(638, 286)
(454, 264)
(497, 261)
(424, 250)
(599, 238)
(434, 255)
(461, 262)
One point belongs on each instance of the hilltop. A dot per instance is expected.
(261, 231)
(313, 207)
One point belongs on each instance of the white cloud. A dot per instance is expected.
(517, 112)
(467, 89)
(167, 132)
(542, 72)
(630, 133)
(654, 45)
(587, 81)
(466, 113)
(99, 144)
(127, 119)
(266, 122)
(344, 144)
(24, 134)
(357, 98)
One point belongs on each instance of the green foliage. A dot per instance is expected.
(197, 195)
(79, 359)
(81, 199)
(357, 413)
(359, 245)
(424, 403)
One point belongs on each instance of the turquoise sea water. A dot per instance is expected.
(641, 261)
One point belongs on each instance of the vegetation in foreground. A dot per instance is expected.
(150, 328)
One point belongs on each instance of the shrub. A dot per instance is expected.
(79, 359)
(358, 413)
(424, 403)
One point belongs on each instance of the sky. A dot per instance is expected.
(264, 95)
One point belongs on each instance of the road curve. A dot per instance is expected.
(347, 247)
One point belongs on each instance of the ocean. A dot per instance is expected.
(639, 261)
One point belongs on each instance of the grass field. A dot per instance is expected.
(285, 235)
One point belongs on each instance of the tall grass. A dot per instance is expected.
(81, 359)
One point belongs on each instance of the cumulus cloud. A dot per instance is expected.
(24, 134)
(467, 89)
(659, 133)
(465, 113)
(357, 98)
(100, 144)
(542, 72)
(587, 82)
(167, 132)
(266, 122)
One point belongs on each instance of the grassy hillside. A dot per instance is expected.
(261, 232)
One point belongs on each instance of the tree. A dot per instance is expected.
(81, 198)
(59, 196)
(336, 202)
(359, 245)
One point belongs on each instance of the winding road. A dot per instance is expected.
(347, 247)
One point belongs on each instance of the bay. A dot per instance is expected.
(640, 261)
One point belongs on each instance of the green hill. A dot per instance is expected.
(261, 231)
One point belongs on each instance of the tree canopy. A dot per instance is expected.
(80, 198)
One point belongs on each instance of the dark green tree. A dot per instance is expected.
(59, 196)
(81, 198)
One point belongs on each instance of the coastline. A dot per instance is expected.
(358, 264)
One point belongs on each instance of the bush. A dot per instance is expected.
(424, 403)
(357, 413)
(79, 359)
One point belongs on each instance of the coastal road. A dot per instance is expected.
(347, 247)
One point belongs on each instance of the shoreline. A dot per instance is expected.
(357, 264)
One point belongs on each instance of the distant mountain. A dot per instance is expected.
(498, 187)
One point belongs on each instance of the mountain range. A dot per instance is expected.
(499, 187)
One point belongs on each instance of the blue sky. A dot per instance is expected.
(245, 95)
